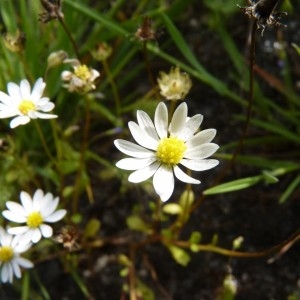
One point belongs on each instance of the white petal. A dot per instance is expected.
(163, 182)
(191, 126)
(25, 89)
(161, 120)
(199, 165)
(49, 205)
(17, 229)
(14, 217)
(16, 209)
(46, 230)
(16, 268)
(46, 107)
(26, 201)
(14, 92)
(39, 115)
(36, 235)
(38, 89)
(134, 163)
(202, 137)
(202, 151)
(184, 177)
(4, 98)
(146, 124)
(141, 136)
(6, 273)
(19, 120)
(143, 174)
(56, 216)
(23, 262)
(132, 149)
(7, 112)
(178, 120)
(37, 199)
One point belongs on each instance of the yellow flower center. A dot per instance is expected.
(6, 253)
(34, 220)
(82, 72)
(26, 106)
(170, 150)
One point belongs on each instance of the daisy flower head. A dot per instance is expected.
(162, 146)
(81, 80)
(10, 260)
(34, 212)
(174, 85)
(24, 104)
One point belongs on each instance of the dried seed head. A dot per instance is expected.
(102, 52)
(52, 11)
(145, 32)
(68, 237)
(264, 13)
(15, 43)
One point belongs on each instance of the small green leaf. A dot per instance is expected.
(76, 218)
(92, 228)
(144, 291)
(232, 186)
(237, 242)
(179, 255)
(172, 209)
(186, 199)
(195, 237)
(134, 222)
(268, 177)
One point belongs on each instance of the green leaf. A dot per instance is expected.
(290, 189)
(232, 186)
(179, 255)
(172, 209)
(134, 222)
(92, 228)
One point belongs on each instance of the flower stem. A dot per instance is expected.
(81, 168)
(114, 88)
(63, 24)
(42, 138)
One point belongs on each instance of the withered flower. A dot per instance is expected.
(145, 32)
(264, 13)
(15, 43)
(52, 10)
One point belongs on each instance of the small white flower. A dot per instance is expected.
(10, 259)
(24, 103)
(81, 80)
(34, 212)
(163, 146)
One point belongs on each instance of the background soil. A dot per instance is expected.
(254, 214)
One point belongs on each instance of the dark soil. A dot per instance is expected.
(253, 214)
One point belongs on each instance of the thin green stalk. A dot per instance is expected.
(84, 143)
(63, 24)
(114, 88)
(42, 138)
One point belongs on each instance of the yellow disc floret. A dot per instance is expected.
(34, 219)
(6, 253)
(170, 150)
(82, 72)
(26, 106)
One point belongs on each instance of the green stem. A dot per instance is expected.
(63, 24)
(114, 88)
(84, 143)
(42, 138)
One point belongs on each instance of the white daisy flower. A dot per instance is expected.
(24, 104)
(34, 212)
(10, 260)
(163, 146)
(81, 80)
